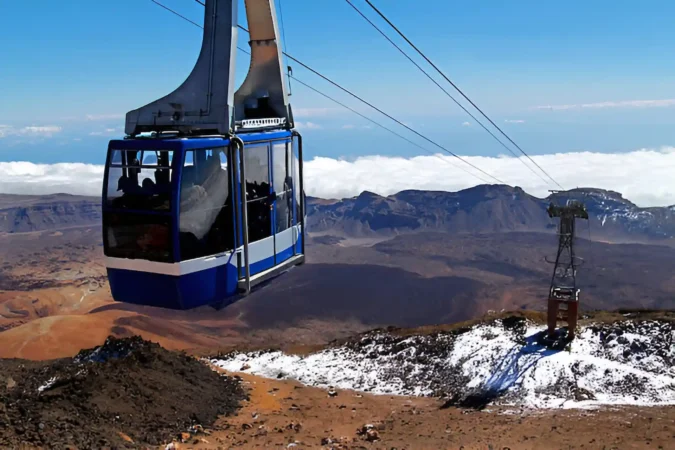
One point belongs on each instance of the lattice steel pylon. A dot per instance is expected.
(563, 290)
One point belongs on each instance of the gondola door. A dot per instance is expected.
(259, 206)
(282, 182)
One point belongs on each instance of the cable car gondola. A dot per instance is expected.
(203, 199)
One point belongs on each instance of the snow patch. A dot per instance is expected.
(47, 385)
(630, 363)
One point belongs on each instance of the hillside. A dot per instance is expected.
(481, 209)
(54, 281)
(115, 395)
(25, 213)
(614, 216)
(504, 361)
(334, 325)
(110, 396)
(412, 280)
(487, 209)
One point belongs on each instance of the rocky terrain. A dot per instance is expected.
(613, 216)
(22, 213)
(122, 392)
(487, 209)
(504, 361)
(484, 384)
(462, 383)
(482, 209)
(53, 281)
(286, 414)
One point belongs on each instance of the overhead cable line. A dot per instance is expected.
(385, 128)
(393, 118)
(345, 106)
(385, 114)
(458, 89)
(442, 88)
(176, 13)
(373, 121)
(283, 29)
(283, 38)
(365, 102)
(376, 123)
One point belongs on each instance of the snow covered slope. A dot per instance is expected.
(498, 362)
(612, 214)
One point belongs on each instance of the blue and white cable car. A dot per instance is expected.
(203, 200)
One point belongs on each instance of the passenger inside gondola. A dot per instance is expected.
(259, 204)
(139, 181)
(153, 192)
(259, 198)
(206, 224)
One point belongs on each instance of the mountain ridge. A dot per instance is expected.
(486, 208)
(28, 213)
(482, 208)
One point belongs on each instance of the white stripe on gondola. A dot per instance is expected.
(285, 240)
(258, 251)
(174, 269)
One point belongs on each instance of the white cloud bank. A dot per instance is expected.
(620, 104)
(33, 131)
(30, 178)
(308, 125)
(107, 132)
(644, 176)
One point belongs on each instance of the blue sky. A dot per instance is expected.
(71, 69)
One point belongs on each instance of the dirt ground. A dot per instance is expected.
(134, 399)
(280, 413)
(126, 390)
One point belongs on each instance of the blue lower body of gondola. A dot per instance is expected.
(213, 280)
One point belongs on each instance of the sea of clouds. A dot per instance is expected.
(645, 176)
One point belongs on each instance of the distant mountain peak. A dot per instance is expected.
(368, 195)
(489, 188)
(487, 208)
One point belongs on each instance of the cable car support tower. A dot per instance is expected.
(563, 297)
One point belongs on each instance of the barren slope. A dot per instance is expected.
(282, 412)
(53, 286)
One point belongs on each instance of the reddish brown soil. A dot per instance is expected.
(54, 301)
(161, 403)
(54, 297)
(281, 412)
